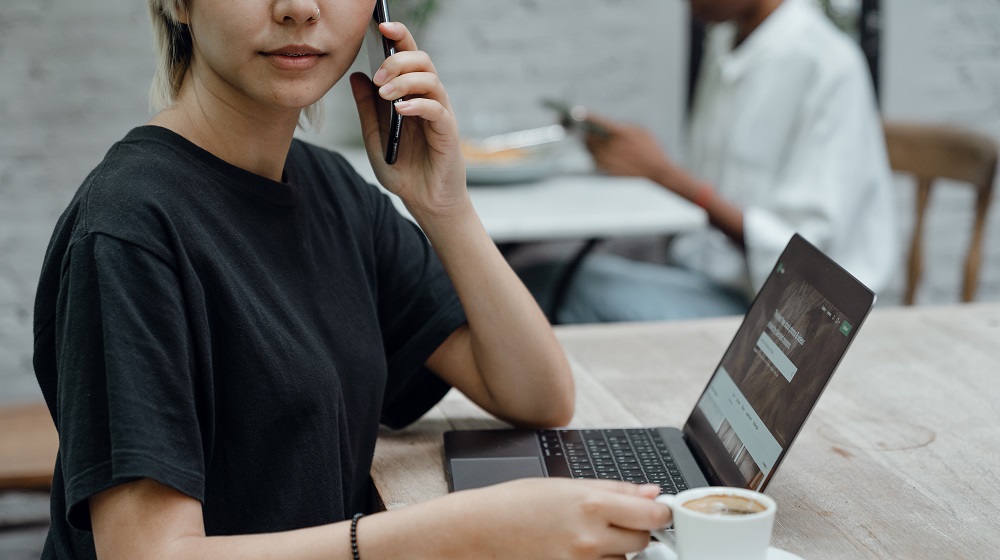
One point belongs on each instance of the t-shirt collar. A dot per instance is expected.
(282, 193)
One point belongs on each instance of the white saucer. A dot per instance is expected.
(659, 551)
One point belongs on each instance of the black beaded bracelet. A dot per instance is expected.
(354, 535)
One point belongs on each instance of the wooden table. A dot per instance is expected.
(900, 458)
(570, 205)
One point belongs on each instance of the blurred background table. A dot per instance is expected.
(898, 460)
(569, 205)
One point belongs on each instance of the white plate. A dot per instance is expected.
(525, 165)
(526, 171)
(659, 551)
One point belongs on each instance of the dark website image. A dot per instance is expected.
(769, 379)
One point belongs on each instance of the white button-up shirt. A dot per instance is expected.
(786, 127)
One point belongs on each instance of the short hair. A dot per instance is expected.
(173, 46)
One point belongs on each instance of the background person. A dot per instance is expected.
(226, 314)
(784, 137)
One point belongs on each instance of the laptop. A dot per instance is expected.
(791, 340)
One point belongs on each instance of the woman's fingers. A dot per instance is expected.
(400, 34)
(630, 513)
(632, 506)
(427, 109)
(619, 542)
(627, 512)
(403, 62)
(410, 73)
(423, 84)
(407, 57)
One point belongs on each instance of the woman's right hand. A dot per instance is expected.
(546, 518)
(558, 518)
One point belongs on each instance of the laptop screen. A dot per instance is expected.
(792, 338)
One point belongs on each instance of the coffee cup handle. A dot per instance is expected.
(662, 535)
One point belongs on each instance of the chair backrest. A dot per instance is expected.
(929, 152)
(28, 446)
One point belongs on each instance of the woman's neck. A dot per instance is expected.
(257, 142)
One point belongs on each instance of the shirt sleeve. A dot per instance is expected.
(126, 396)
(418, 309)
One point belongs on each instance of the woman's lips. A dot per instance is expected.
(294, 57)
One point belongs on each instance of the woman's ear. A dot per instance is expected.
(182, 13)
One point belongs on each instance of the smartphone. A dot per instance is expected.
(390, 123)
(575, 116)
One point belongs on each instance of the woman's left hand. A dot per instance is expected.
(429, 173)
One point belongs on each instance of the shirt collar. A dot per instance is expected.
(774, 30)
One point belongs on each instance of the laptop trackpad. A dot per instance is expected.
(475, 473)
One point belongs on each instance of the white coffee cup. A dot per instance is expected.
(719, 523)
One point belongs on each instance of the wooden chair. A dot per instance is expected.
(28, 446)
(930, 152)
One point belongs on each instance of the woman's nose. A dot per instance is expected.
(296, 11)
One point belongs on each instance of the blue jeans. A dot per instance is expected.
(609, 288)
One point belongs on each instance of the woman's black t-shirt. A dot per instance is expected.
(234, 338)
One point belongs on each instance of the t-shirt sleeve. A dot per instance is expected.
(126, 406)
(418, 309)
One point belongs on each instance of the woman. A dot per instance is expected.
(226, 314)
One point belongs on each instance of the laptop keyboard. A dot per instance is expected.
(636, 455)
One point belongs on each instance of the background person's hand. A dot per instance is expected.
(628, 150)
(429, 174)
(562, 518)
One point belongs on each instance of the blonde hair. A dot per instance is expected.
(174, 48)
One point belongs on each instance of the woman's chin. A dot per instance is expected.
(294, 105)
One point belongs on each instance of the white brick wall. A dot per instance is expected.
(622, 58)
